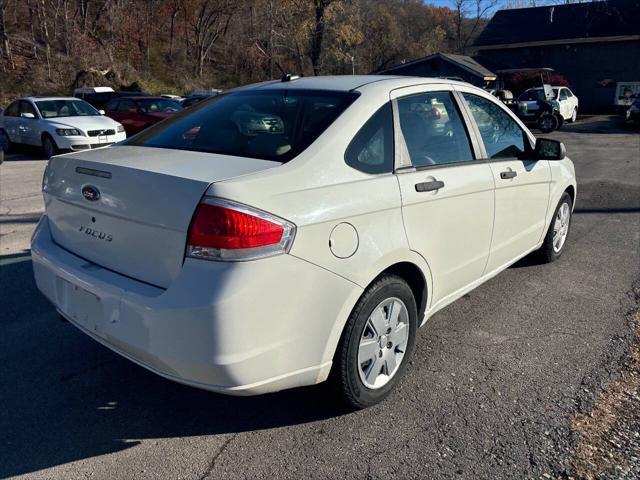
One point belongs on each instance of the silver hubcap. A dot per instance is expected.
(561, 227)
(383, 343)
(574, 116)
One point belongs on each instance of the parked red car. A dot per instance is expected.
(138, 113)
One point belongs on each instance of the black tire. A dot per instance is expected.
(345, 376)
(49, 149)
(547, 253)
(547, 122)
(5, 142)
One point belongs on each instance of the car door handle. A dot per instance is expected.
(429, 186)
(508, 174)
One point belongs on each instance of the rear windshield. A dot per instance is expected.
(151, 105)
(268, 124)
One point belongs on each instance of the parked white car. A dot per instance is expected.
(57, 125)
(564, 100)
(247, 260)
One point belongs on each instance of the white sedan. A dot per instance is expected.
(564, 101)
(307, 241)
(57, 125)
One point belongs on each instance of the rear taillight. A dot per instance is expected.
(225, 230)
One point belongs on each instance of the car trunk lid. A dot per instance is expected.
(128, 208)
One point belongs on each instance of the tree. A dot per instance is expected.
(317, 33)
(470, 15)
(5, 47)
(210, 23)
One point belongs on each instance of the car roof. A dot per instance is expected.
(348, 83)
(142, 97)
(38, 99)
(552, 86)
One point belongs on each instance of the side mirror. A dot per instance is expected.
(27, 115)
(101, 112)
(547, 149)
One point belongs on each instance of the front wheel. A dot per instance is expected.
(556, 238)
(49, 147)
(5, 142)
(548, 122)
(574, 115)
(376, 344)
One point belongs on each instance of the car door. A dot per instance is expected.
(521, 182)
(447, 196)
(126, 113)
(565, 107)
(29, 126)
(11, 122)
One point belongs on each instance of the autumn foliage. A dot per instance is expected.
(173, 46)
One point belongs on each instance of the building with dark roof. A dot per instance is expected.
(444, 65)
(595, 45)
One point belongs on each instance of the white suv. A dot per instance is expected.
(289, 232)
(57, 124)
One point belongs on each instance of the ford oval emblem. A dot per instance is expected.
(91, 193)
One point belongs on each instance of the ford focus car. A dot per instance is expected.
(288, 233)
(57, 125)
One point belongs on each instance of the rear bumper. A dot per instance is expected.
(236, 328)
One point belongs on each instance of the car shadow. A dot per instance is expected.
(66, 397)
(24, 152)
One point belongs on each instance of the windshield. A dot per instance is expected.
(154, 105)
(65, 108)
(268, 124)
(535, 94)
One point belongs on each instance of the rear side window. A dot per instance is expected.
(12, 110)
(267, 124)
(371, 150)
(502, 136)
(433, 129)
(125, 105)
(112, 106)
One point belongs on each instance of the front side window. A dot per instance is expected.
(26, 107)
(563, 94)
(371, 150)
(502, 136)
(433, 129)
(65, 108)
(267, 124)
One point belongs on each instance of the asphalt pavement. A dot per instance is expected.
(494, 383)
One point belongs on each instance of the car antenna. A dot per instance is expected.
(286, 77)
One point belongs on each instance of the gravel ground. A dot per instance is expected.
(505, 383)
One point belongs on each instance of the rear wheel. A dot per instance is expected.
(556, 237)
(377, 342)
(49, 147)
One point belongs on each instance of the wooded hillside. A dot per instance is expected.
(172, 46)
